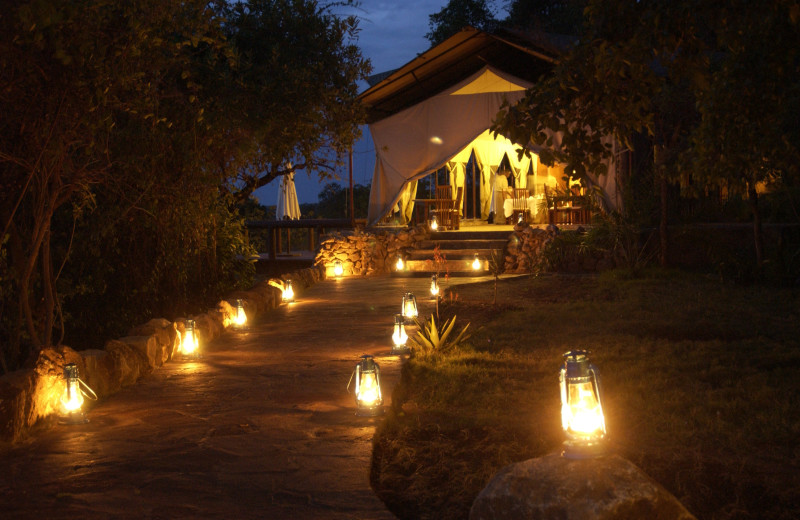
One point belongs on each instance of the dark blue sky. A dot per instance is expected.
(392, 34)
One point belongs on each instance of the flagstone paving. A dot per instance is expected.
(261, 427)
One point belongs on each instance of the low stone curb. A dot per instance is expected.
(32, 395)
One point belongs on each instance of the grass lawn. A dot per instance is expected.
(700, 380)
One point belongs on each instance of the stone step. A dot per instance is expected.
(448, 245)
(470, 235)
(452, 266)
(455, 254)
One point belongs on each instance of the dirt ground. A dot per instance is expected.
(261, 427)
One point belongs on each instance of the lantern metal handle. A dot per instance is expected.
(83, 385)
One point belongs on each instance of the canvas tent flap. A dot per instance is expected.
(424, 137)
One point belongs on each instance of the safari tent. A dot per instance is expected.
(435, 112)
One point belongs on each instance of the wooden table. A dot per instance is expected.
(568, 215)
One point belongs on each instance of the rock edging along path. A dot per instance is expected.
(261, 427)
(32, 396)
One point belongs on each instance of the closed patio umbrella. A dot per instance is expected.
(288, 207)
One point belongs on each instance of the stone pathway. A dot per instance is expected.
(261, 427)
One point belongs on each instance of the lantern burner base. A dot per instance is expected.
(402, 349)
(73, 418)
(584, 450)
(369, 412)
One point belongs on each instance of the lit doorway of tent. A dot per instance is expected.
(471, 202)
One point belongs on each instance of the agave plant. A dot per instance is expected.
(431, 338)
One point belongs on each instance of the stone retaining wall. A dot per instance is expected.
(367, 252)
(524, 248)
(33, 394)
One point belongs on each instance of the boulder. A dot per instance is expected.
(129, 363)
(554, 487)
(147, 346)
(28, 395)
(100, 374)
(166, 336)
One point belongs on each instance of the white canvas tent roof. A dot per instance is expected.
(417, 130)
(424, 137)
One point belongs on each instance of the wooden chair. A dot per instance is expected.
(445, 191)
(520, 205)
(454, 219)
(443, 207)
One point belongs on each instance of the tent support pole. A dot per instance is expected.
(474, 199)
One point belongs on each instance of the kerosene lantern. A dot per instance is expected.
(367, 376)
(400, 264)
(476, 263)
(288, 293)
(240, 321)
(399, 336)
(434, 286)
(72, 398)
(338, 268)
(434, 222)
(190, 343)
(581, 407)
(409, 309)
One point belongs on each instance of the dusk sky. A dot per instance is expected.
(392, 34)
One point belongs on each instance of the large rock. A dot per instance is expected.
(129, 363)
(147, 346)
(28, 395)
(100, 374)
(553, 487)
(166, 334)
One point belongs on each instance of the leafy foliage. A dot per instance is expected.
(458, 14)
(433, 337)
(334, 200)
(124, 129)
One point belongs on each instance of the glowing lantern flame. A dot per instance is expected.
(288, 292)
(581, 407)
(190, 345)
(241, 318)
(399, 336)
(72, 398)
(400, 265)
(338, 269)
(367, 387)
(409, 309)
(434, 223)
(476, 263)
(434, 285)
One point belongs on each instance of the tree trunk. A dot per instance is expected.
(664, 197)
(758, 236)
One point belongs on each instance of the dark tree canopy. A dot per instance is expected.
(458, 14)
(298, 77)
(126, 129)
(552, 16)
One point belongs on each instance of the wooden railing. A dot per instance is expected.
(316, 228)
